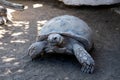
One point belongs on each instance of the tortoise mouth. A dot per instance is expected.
(53, 43)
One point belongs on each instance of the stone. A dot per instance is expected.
(12, 5)
(89, 2)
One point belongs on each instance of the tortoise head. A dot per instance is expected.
(55, 39)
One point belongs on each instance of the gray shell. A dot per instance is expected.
(68, 26)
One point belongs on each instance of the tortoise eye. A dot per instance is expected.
(33, 48)
(55, 38)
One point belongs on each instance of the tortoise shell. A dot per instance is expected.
(69, 26)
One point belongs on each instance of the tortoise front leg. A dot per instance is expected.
(36, 49)
(84, 58)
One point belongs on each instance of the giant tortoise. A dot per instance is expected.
(68, 35)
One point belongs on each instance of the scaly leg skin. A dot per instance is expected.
(36, 49)
(84, 58)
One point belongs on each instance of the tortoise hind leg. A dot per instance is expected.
(84, 58)
(36, 49)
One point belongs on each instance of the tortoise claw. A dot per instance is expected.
(87, 68)
(84, 58)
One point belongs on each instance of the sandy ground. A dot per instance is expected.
(17, 37)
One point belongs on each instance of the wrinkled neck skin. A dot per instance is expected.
(73, 41)
(66, 46)
(66, 42)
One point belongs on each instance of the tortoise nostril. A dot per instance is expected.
(55, 38)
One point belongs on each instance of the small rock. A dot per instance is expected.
(96, 31)
(66, 78)
(116, 28)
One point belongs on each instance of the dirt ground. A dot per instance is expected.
(15, 39)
